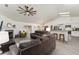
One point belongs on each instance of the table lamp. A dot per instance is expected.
(4, 37)
(48, 29)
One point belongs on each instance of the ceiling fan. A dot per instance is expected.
(26, 10)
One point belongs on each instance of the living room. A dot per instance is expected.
(37, 29)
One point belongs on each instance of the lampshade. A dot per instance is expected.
(48, 29)
(4, 37)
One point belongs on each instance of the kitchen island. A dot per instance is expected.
(75, 33)
(67, 37)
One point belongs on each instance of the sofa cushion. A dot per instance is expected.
(29, 44)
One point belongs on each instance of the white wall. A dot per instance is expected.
(74, 21)
(19, 25)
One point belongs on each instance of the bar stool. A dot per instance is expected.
(62, 37)
(56, 35)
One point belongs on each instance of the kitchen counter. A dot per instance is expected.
(65, 32)
(61, 30)
(75, 33)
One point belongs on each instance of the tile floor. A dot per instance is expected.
(70, 48)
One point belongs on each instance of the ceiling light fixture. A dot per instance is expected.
(63, 13)
(26, 10)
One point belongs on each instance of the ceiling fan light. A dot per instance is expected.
(27, 13)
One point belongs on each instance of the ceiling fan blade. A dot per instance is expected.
(26, 8)
(30, 13)
(33, 12)
(18, 10)
(31, 9)
(21, 8)
(24, 14)
(21, 12)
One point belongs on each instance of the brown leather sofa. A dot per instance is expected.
(36, 34)
(42, 46)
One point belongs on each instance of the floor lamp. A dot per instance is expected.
(4, 37)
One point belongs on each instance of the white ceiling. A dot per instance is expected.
(45, 12)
